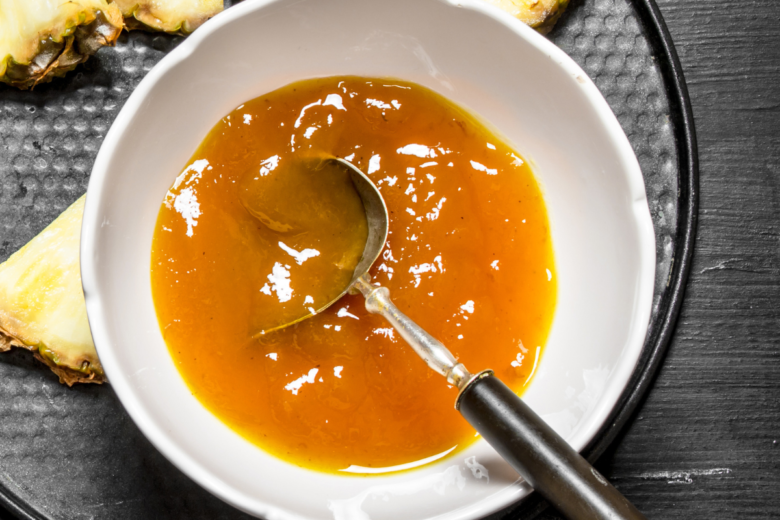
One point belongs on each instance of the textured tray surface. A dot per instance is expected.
(74, 453)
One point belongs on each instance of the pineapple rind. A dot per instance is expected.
(42, 303)
(539, 14)
(172, 16)
(42, 39)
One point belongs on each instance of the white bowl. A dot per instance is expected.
(473, 54)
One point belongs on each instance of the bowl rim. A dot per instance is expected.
(121, 384)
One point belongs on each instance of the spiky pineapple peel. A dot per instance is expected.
(42, 303)
(42, 39)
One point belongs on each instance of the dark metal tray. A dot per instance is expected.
(69, 453)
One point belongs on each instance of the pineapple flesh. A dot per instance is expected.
(539, 14)
(41, 39)
(42, 303)
(172, 16)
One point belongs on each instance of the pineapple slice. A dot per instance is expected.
(41, 39)
(539, 14)
(173, 16)
(42, 303)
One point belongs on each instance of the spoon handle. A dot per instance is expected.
(520, 436)
(433, 352)
(540, 455)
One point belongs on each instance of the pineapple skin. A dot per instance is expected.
(171, 16)
(539, 14)
(42, 304)
(43, 39)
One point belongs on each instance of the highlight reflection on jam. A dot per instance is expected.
(468, 257)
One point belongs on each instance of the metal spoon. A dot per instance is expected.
(520, 436)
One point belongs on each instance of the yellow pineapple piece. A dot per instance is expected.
(539, 14)
(173, 16)
(41, 39)
(42, 303)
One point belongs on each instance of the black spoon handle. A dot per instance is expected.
(540, 455)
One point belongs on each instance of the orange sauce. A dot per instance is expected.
(469, 257)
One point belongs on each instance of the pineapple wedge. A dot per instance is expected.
(173, 16)
(539, 14)
(42, 304)
(41, 39)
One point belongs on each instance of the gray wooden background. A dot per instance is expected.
(706, 442)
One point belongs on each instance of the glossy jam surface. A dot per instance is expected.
(469, 257)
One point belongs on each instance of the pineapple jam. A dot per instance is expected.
(469, 257)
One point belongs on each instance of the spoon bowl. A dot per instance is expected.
(262, 202)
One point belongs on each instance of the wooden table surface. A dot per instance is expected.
(705, 442)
